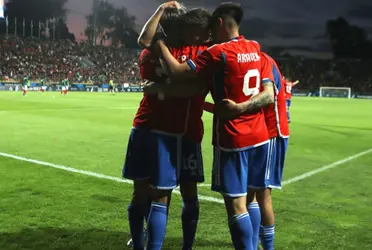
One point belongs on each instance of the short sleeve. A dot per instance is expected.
(207, 62)
(145, 64)
(266, 70)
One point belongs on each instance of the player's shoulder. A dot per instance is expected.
(254, 44)
(146, 56)
(215, 48)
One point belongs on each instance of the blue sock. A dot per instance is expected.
(156, 226)
(190, 218)
(241, 231)
(136, 220)
(267, 235)
(255, 214)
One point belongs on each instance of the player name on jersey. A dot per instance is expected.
(247, 58)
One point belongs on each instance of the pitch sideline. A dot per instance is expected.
(201, 197)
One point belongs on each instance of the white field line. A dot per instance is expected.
(201, 197)
(89, 173)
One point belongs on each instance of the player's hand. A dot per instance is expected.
(170, 4)
(227, 109)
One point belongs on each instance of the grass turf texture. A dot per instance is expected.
(45, 208)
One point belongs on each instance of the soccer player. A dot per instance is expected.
(26, 85)
(195, 24)
(112, 87)
(63, 87)
(240, 141)
(288, 94)
(67, 86)
(165, 123)
(271, 175)
(42, 86)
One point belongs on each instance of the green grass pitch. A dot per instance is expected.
(45, 208)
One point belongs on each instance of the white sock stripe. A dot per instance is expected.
(159, 205)
(237, 218)
(240, 216)
(253, 205)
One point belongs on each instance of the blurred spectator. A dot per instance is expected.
(313, 73)
(57, 60)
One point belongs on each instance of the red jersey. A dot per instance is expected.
(150, 70)
(237, 72)
(276, 114)
(181, 116)
(288, 88)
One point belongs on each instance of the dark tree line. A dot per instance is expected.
(118, 26)
(37, 10)
(112, 24)
(348, 41)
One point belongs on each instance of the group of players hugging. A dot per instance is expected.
(196, 53)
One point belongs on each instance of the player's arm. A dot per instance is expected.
(228, 109)
(296, 82)
(151, 26)
(208, 107)
(178, 72)
(180, 90)
(202, 67)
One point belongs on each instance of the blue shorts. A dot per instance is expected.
(288, 102)
(154, 156)
(270, 175)
(234, 171)
(192, 162)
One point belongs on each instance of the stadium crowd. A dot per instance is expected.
(314, 73)
(57, 60)
(84, 63)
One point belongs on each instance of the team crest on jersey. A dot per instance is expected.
(182, 58)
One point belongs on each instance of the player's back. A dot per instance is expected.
(169, 114)
(238, 79)
(276, 114)
(189, 115)
(288, 88)
(150, 69)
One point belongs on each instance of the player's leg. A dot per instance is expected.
(136, 168)
(230, 178)
(260, 183)
(192, 173)
(288, 113)
(164, 172)
(138, 210)
(158, 218)
(267, 231)
(190, 213)
(276, 165)
(255, 214)
(24, 90)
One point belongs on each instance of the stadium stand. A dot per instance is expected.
(83, 63)
(57, 60)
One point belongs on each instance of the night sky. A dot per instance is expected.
(298, 25)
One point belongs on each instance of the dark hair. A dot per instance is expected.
(228, 10)
(197, 18)
(170, 20)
